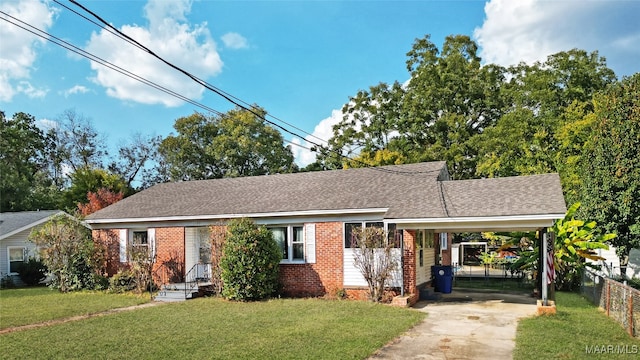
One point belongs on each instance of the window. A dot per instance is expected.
(349, 227)
(140, 239)
(443, 241)
(16, 257)
(290, 239)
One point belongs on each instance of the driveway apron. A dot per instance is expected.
(463, 325)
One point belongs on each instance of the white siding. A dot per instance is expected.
(423, 274)
(191, 246)
(353, 276)
(19, 239)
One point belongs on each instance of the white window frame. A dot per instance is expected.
(289, 236)
(444, 244)
(363, 223)
(124, 246)
(24, 257)
(131, 237)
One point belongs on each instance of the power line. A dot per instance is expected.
(227, 96)
(92, 57)
(49, 37)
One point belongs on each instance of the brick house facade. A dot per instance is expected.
(309, 214)
(321, 278)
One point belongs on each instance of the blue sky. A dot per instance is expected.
(300, 60)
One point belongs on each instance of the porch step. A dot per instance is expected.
(176, 291)
(173, 295)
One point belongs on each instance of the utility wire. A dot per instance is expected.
(232, 99)
(68, 46)
(108, 27)
(49, 37)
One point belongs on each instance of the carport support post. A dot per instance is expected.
(543, 264)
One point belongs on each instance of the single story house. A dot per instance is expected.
(312, 215)
(15, 247)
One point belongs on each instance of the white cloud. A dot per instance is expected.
(190, 47)
(530, 30)
(77, 89)
(321, 133)
(26, 88)
(46, 124)
(18, 48)
(234, 41)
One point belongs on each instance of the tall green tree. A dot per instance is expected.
(541, 99)
(237, 143)
(449, 98)
(24, 184)
(610, 165)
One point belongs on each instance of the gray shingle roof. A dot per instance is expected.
(12, 221)
(385, 187)
(407, 191)
(518, 195)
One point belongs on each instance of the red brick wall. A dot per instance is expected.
(169, 247)
(325, 276)
(170, 254)
(108, 240)
(409, 268)
(446, 254)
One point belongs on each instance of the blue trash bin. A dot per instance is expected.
(444, 278)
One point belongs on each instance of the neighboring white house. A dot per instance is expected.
(15, 247)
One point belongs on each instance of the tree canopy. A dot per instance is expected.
(610, 166)
(237, 143)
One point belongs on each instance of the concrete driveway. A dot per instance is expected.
(463, 325)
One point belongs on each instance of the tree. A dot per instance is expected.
(237, 143)
(68, 251)
(86, 180)
(99, 200)
(78, 143)
(250, 262)
(374, 258)
(449, 99)
(24, 184)
(541, 100)
(134, 157)
(610, 165)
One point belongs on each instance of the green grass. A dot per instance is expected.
(217, 329)
(578, 325)
(34, 305)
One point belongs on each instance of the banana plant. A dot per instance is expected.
(577, 239)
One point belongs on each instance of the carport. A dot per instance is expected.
(531, 203)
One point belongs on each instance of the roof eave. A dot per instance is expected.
(481, 223)
(280, 214)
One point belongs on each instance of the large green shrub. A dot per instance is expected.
(32, 271)
(69, 253)
(250, 262)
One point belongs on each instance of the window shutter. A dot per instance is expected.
(123, 245)
(310, 243)
(151, 234)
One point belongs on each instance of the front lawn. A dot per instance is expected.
(212, 328)
(34, 305)
(579, 330)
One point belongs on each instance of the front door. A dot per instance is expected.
(198, 252)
